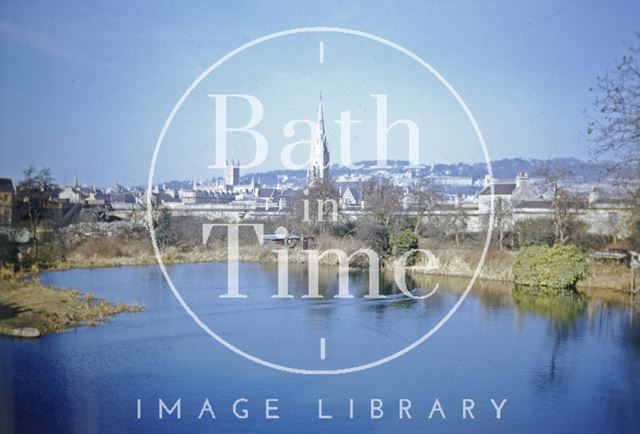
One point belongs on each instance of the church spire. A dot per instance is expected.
(320, 125)
(319, 167)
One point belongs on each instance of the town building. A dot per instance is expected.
(77, 194)
(506, 195)
(350, 195)
(232, 174)
(7, 202)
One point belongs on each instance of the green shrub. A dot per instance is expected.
(560, 266)
(403, 241)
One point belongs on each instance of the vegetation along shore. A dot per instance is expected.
(29, 309)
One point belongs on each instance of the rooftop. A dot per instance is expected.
(6, 185)
(536, 204)
(498, 189)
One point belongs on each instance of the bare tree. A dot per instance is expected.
(315, 208)
(458, 222)
(373, 234)
(35, 194)
(141, 214)
(383, 199)
(161, 221)
(425, 194)
(502, 218)
(614, 125)
(165, 231)
(564, 203)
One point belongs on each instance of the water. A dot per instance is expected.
(564, 364)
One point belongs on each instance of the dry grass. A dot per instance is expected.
(606, 274)
(458, 261)
(127, 249)
(111, 247)
(53, 310)
(497, 266)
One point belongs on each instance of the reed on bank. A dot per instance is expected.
(39, 309)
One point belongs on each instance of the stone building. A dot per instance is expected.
(232, 174)
(7, 202)
(506, 195)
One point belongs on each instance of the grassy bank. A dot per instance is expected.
(454, 261)
(128, 249)
(39, 309)
(497, 267)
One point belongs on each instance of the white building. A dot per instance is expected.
(506, 195)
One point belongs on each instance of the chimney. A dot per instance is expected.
(522, 180)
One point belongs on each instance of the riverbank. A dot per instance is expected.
(453, 262)
(601, 275)
(35, 309)
(87, 247)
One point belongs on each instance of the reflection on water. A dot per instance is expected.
(561, 306)
(565, 362)
(328, 281)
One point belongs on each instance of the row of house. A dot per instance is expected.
(515, 200)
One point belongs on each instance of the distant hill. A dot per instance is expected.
(509, 168)
(506, 168)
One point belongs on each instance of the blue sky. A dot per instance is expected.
(86, 86)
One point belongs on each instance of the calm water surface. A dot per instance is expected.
(564, 364)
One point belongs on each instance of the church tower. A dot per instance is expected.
(232, 173)
(319, 165)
